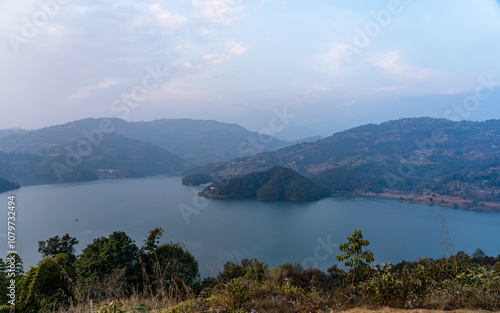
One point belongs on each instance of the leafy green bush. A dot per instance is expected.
(4, 309)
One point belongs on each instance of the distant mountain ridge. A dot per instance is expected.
(82, 150)
(431, 160)
(115, 157)
(197, 141)
(200, 141)
(11, 131)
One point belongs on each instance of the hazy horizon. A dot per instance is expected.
(290, 133)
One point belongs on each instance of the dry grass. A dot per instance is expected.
(87, 309)
(389, 310)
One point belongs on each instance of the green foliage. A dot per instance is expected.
(231, 271)
(460, 281)
(44, 286)
(55, 245)
(308, 279)
(161, 267)
(4, 281)
(496, 268)
(254, 270)
(239, 291)
(357, 259)
(427, 282)
(153, 240)
(478, 256)
(18, 270)
(100, 258)
(336, 274)
(250, 269)
(4, 308)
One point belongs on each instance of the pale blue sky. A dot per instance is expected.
(332, 64)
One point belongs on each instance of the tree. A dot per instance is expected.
(335, 273)
(18, 271)
(100, 258)
(357, 259)
(153, 240)
(4, 282)
(55, 245)
(478, 256)
(44, 286)
(162, 266)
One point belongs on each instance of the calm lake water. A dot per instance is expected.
(221, 230)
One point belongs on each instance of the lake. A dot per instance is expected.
(218, 230)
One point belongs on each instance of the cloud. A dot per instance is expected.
(167, 19)
(394, 66)
(209, 60)
(206, 33)
(175, 92)
(451, 92)
(219, 11)
(213, 59)
(317, 89)
(332, 62)
(181, 49)
(84, 92)
(235, 48)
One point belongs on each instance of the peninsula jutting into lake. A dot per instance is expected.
(277, 183)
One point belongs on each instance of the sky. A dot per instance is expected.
(317, 66)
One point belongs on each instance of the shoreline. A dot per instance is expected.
(438, 200)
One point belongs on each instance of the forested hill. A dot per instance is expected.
(6, 185)
(90, 149)
(277, 183)
(455, 163)
(114, 157)
(196, 141)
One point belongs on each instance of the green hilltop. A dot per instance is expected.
(277, 183)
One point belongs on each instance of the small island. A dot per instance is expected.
(277, 183)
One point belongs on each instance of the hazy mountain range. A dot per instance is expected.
(419, 158)
(86, 150)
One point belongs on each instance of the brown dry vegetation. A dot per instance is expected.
(389, 310)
